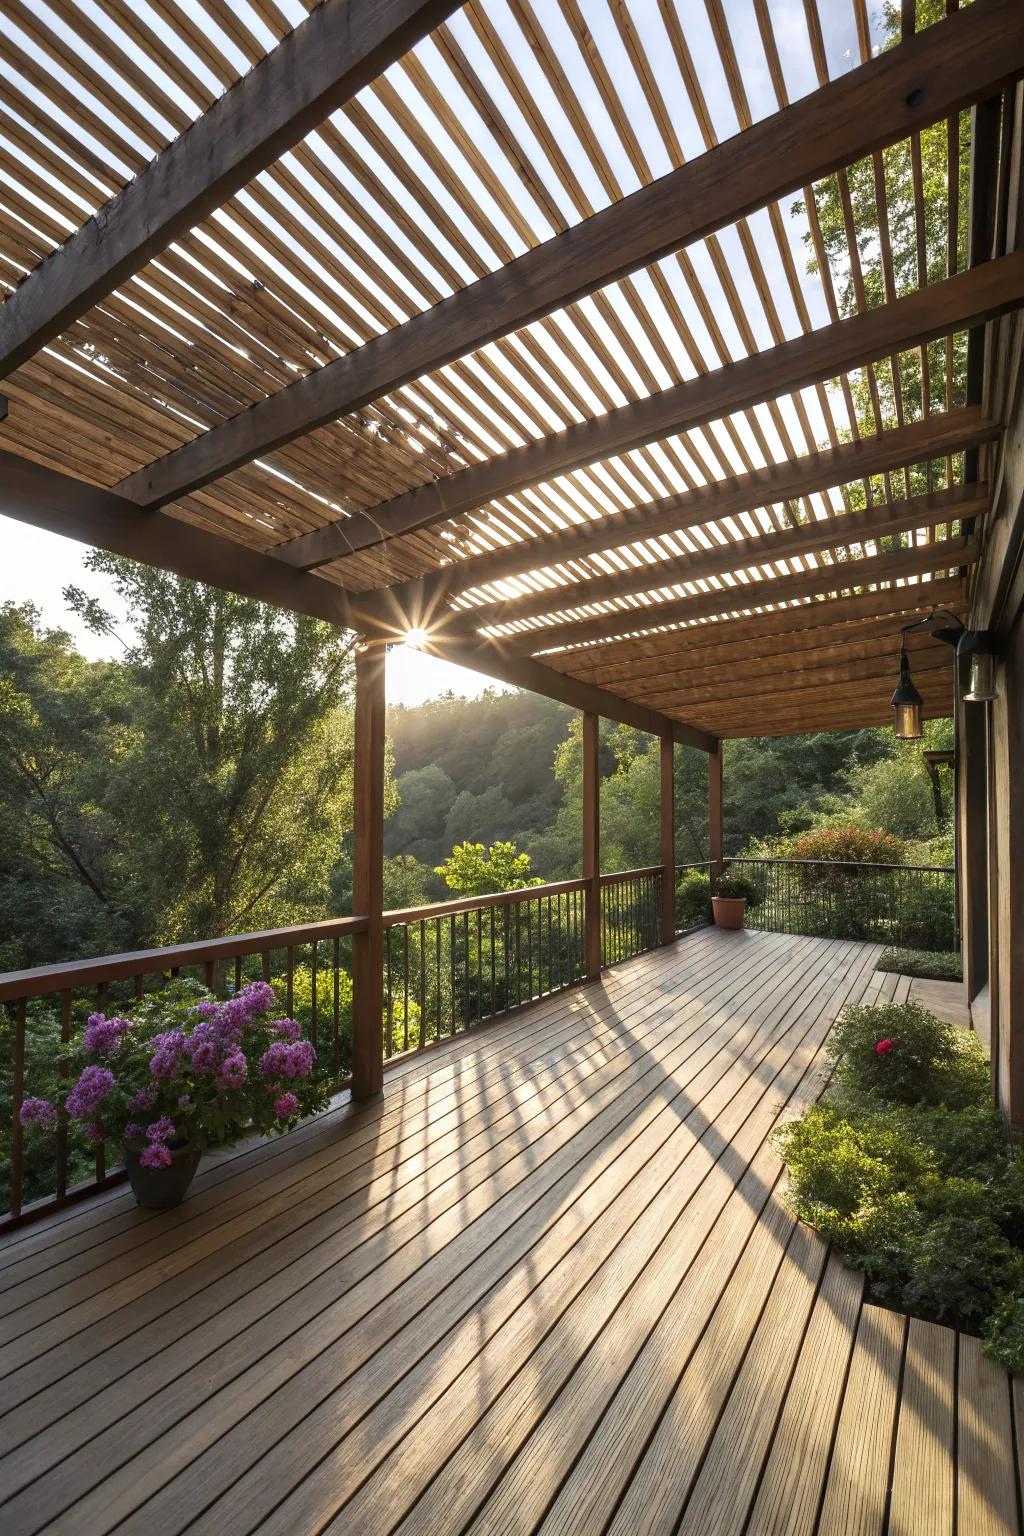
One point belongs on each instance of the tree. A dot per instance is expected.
(472, 870)
(235, 776)
(65, 873)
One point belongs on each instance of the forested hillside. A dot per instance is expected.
(201, 783)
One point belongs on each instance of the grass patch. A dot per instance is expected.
(940, 965)
(905, 1166)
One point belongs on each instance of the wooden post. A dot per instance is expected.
(368, 873)
(972, 840)
(668, 838)
(592, 844)
(715, 828)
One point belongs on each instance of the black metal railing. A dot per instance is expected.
(630, 913)
(462, 962)
(911, 905)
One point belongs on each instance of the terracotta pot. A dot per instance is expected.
(729, 911)
(161, 1188)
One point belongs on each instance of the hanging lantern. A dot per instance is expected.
(981, 646)
(906, 704)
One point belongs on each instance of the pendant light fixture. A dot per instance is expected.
(907, 703)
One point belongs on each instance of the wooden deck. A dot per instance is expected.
(548, 1283)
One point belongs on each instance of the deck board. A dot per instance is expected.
(550, 1282)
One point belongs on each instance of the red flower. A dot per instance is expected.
(883, 1047)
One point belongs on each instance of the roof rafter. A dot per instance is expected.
(840, 531)
(845, 575)
(338, 49)
(897, 448)
(924, 79)
(938, 310)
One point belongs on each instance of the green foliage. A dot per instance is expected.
(943, 965)
(848, 844)
(738, 888)
(693, 899)
(906, 1166)
(472, 870)
(904, 1054)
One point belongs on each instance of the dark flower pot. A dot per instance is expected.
(729, 911)
(161, 1188)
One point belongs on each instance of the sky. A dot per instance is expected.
(36, 566)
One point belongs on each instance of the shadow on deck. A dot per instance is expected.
(548, 1283)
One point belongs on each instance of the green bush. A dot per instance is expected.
(943, 965)
(904, 1054)
(738, 888)
(693, 899)
(906, 1167)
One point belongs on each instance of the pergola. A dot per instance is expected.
(492, 322)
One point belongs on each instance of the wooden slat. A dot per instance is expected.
(837, 532)
(842, 576)
(858, 1477)
(946, 306)
(966, 57)
(986, 1476)
(923, 1471)
(313, 71)
(900, 446)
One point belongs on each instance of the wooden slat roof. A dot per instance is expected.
(607, 409)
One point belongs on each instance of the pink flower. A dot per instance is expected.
(89, 1092)
(883, 1047)
(39, 1110)
(155, 1155)
(287, 1029)
(286, 1106)
(133, 1131)
(160, 1130)
(234, 1070)
(103, 1035)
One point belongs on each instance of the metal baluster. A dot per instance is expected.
(62, 1071)
(313, 1029)
(336, 1021)
(389, 1007)
(405, 986)
(17, 1094)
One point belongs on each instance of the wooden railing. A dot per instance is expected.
(445, 968)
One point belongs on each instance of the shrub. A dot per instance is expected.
(906, 1167)
(738, 888)
(942, 965)
(903, 1053)
(693, 899)
(848, 845)
(1004, 1333)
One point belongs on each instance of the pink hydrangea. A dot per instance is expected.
(234, 1070)
(286, 1106)
(287, 1029)
(103, 1036)
(89, 1092)
(288, 1059)
(155, 1155)
(38, 1111)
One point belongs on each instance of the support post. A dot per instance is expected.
(592, 844)
(368, 873)
(716, 843)
(668, 838)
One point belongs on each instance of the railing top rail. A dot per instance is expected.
(45, 979)
(921, 869)
(403, 916)
(631, 874)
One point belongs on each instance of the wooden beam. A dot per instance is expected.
(667, 809)
(368, 873)
(864, 526)
(716, 814)
(696, 679)
(91, 515)
(816, 357)
(925, 79)
(591, 854)
(524, 672)
(339, 48)
(933, 437)
(856, 640)
(844, 575)
(604, 663)
(935, 685)
(696, 694)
